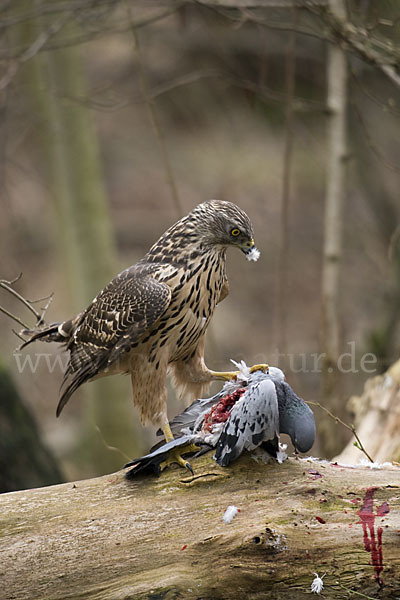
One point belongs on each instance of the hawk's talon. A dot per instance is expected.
(225, 375)
(229, 375)
(189, 466)
(262, 367)
(175, 456)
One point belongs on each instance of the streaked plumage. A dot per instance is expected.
(248, 413)
(153, 316)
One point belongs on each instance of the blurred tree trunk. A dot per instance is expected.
(25, 462)
(161, 538)
(377, 418)
(283, 259)
(382, 339)
(85, 239)
(335, 191)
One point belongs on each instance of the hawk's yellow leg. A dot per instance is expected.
(175, 455)
(227, 375)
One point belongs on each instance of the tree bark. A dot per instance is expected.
(108, 538)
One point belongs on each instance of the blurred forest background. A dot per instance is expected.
(117, 118)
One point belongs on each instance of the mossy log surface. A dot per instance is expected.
(160, 538)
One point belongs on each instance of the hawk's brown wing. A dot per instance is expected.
(113, 323)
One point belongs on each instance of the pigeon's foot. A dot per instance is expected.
(175, 455)
(228, 375)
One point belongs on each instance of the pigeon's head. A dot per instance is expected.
(303, 431)
(295, 418)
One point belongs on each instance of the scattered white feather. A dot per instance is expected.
(254, 254)
(281, 454)
(243, 370)
(364, 462)
(230, 514)
(317, 585)
(212, 436)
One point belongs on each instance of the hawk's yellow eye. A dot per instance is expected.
(235, 232)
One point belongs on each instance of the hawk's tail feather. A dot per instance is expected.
(69, 390)
(55, 332)
(75, 382)
(47, 333)
(84, 365)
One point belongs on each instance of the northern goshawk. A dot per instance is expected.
(152, 317)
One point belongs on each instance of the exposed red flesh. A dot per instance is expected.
(220, 412)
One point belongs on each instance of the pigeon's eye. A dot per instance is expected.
(235, 232)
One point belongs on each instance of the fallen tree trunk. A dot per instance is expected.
(163, 538)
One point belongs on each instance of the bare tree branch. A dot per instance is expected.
(381, 53)
(7, 285)
(359, 41)
(370, 142)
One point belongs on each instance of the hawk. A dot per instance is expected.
(153, 316)
(248, 413)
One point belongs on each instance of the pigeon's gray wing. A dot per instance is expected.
(254, 419)
(295, 417)
(193, 413)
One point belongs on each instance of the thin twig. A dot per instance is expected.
(351, 428)
(385, 106)
(350, 591)
(41, 299)
(13, 317)
(46, 306)
(17, 278)
(108, 446)
(21, 337)
(7, 285)
(370, 142)
(33, 49)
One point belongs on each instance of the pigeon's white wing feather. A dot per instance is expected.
(254, 419)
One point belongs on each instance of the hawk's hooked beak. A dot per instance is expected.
(250, 250)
